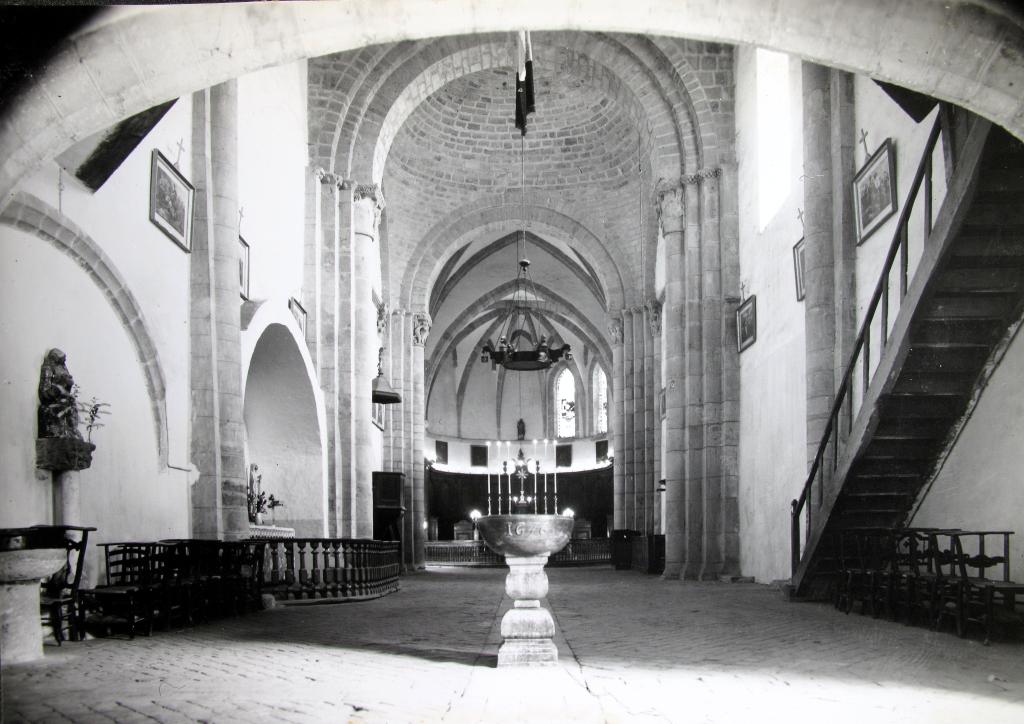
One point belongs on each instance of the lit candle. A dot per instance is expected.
(535, 465)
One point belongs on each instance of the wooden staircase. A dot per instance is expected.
(914, 374)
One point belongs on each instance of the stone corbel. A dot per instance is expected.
(420, 328)
(615, 330)
(654, 317)
(669, 201)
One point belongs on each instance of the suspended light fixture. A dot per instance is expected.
(511, 352)
(383, 392)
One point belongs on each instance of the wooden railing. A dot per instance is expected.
(323, 568)
(863, 360)
(578, 552)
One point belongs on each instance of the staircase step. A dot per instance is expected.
(988, 246)
(924, 428)
(954, 333)
(932, 385)
(968, 306)
(888, 485)
(917, 408)
(985, 280)
(948, 360)
(996, 214)
(899, 449)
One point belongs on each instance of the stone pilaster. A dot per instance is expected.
(670, 205)
(639, 421)
(819, 259)
(694, 421)
(653, 380)
(626, 454)
(367, 205)
(402, 338)
(218, 430)
(712, 546)
(615, 424)
(420, 330)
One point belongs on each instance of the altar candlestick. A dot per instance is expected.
(488, 469)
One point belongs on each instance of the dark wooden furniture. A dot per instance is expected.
(59, 602)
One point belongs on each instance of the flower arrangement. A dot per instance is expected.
(258, 501)
(90, 413)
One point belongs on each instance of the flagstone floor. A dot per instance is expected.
(633, 648)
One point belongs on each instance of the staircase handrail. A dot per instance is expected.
(879, 300)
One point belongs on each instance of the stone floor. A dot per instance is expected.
(633, 649)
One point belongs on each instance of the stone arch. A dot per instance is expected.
(486, 217)
(979, 68)
(285, 417)
(32, 215)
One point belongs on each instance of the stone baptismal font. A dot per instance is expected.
(526, 540)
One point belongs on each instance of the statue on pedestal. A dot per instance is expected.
(520, 430)
(58, 404)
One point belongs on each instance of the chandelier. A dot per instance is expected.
(512, 351)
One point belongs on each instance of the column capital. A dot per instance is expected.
(369, 191)
(669, 202)
(701, 175)
(383, 317)
(420, 328)
(331, 179)
(654, 317)
(615, 330)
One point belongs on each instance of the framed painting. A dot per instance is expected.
(874, 191)
(243, 268)
(170, 201)
(746, 323)
(798, 269)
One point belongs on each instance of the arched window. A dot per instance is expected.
(599, 392)
(565, 404)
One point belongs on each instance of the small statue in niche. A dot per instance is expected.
(520, 430)
(58, 403)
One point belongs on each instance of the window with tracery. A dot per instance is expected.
(599, 385)
(565, 400)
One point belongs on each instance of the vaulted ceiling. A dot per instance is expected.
(433, 122)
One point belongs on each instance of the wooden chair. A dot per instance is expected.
(59, 601)
(986, 588)
(128, 596)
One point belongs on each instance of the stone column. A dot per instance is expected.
(626, 453)
(67, 497)
(712, 346)
(730, 372)
(819, 271)
(420, 330)
(694, 426)
(671, 220)
(615, 424)
(843, 141)
(367, 204)
(219, 496)
(639, 421)
(653, 382)
(325, 311)
(403, 381)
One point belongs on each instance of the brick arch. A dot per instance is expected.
(490, 218)
(979, 67)
(32, 215)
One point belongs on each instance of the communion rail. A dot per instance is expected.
(578, 552)
(331, 568)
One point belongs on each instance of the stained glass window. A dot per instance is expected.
(565, 396)
(599, 385)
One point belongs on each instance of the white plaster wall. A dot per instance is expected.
(157, 270)
(881, 118)
(772, 380)
(979, 487)
(125, 494)
(272, 156)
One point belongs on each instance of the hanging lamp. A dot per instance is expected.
(510, 352)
